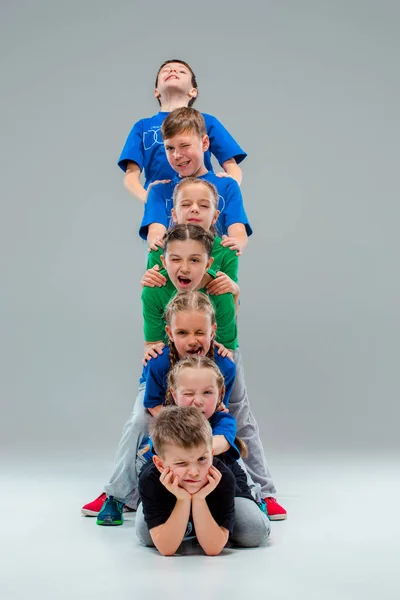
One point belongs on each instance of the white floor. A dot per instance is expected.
(341, 539)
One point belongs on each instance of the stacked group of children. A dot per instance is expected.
(190, 460)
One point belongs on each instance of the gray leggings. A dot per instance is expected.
(123, 482)
(247, 429)
(251, 528)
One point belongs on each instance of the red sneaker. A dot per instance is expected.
(276, 512)
(93, 508)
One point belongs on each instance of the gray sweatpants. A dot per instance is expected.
(247, 429)
(123, 482)
(251, 528)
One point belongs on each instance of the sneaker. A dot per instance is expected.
(262, 505)
(93, 508)
(111, 513)
(275, 511)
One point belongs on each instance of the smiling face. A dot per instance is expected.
(198, 388)
(190, 465)
(191, 332)
(195, 203)
(185, 153)
(186, 263)
(175, 77)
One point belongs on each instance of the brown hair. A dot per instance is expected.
(181, 62)
(185, 427)
(200, 362)
(188, 301)
(182, 120)
(190, 231)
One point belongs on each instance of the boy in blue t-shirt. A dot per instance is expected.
(186, 142)
(176, 86)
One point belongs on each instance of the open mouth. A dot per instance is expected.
(183, 164)
(193, 352)
(184, 280)
(171, 77)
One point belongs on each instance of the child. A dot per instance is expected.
(176, 86)
(191, 326)
(195, 495)
(185, 141)
(187, 257)
(196, 201)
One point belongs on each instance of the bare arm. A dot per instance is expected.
(220, 444)
(233, 169)
(238, 232)
(168, 537)
(211, 537)
(132, 182)
(155, 411)
(155, 234)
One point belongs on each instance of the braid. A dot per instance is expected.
(173, 360)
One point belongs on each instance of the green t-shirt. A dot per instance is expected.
(155, 300)
(225, 260)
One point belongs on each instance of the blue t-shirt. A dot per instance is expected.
(155, 373)
(145, 147)
(159, 204)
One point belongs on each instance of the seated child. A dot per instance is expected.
(196, 494)
(185, 140)
(176, 86)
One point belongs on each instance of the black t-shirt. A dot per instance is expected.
(158, 502)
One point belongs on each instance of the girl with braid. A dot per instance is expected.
(190, 326)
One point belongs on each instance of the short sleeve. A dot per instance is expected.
(223, 423)
(222, 144)
(155, 210)
(154, 258)
(157, 501)
(225, 314)
(234, 211)
(230, 264)
(228, 370)
(156, 372)
(221, 501)
(133, 149)
(153, 324)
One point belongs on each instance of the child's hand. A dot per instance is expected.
(156, 182)
(156, 243)
(169, 481)
(214, 477)
(152, 351)
(224, 174)
(222, 284)
(232, 244)
(222, 408)
(152, 278)
(224, 352)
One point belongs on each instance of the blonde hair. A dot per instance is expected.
(194, 362)
(185, 427)
(200, 362)
(184, 302)
(188, 180)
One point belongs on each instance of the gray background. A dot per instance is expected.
(311, 90)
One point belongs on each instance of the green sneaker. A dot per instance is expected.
(111, 513)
